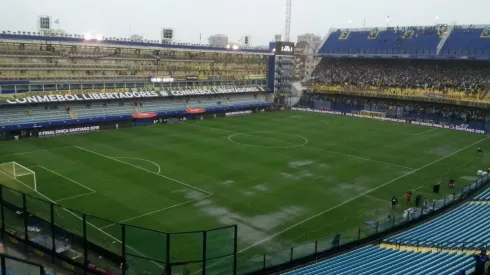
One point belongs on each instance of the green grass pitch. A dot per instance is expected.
(284, 178)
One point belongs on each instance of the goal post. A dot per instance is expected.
(13, 171)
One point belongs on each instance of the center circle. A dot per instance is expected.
(271, 139)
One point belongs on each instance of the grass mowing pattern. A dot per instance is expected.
(284, 178)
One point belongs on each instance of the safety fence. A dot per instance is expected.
(15, 266)
(440, 245)
(80, 242)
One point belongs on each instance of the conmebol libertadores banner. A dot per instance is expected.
(464, 127)
(68, 96)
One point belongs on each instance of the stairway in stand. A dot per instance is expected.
(73, 115)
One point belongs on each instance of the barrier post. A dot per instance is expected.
(2, 261)
(2, 213)
(316, 247)
(358, 233)
(123, 248)
(263, 263)
(85, 246)
(24, 212)
(377, 227)
(235, 251)
(167, 252)
(204, 236)
(291, 253)
(53, 250)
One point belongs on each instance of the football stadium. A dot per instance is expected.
(365, 152)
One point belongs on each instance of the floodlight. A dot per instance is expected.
(88, 36)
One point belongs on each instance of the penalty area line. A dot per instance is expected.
(156, 211)
(80, 218)
(74, 197)
(37, 151)
(67, 178)
(146, 170)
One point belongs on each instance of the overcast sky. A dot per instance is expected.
(259, 18)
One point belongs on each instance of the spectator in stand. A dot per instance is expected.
(480, 261)
(450, 75)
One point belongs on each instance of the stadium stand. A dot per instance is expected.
(42, 62)
(33, 114)
(484, 196)
(378, 260)
(465, 227)
(397, 40)
(98, 109)
(474, 118)
(427, 78)
(468, 41)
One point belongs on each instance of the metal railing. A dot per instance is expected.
(10, 265)
(80, 242)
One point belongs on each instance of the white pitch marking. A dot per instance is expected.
(365, 193)
(358, 157)
(73, 197)
(149, 161)
(75, 182)
(31, 152)
(418, 188)
(423, 132)
(291, 145)
(395, 132)
(155, 211)
(80, 218)
(320, 149)
(141, 168)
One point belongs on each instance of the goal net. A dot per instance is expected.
(15, 173)
(372, 114)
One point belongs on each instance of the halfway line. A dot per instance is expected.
(314, 148)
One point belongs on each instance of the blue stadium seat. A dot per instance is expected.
(484, 196)
(467, 41)
(393, 41)
(377, 260)
(468, 226)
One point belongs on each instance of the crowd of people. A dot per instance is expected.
(441, 75)
(398, 108)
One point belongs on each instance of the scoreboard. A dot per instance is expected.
(284, 48)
